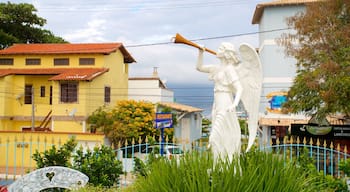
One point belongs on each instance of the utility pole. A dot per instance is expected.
(33, 110)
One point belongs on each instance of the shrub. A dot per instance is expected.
(100, 165)
(253, 171)
(54, 156)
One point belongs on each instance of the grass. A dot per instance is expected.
(254, 171)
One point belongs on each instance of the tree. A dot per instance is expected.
(322, 84)
(19, 23)
(206, 126)
(128, 119)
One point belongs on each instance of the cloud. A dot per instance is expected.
(93, 32)
(151, 24)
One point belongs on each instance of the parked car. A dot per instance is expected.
(169, 151)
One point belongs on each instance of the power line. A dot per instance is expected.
(210, 38)
(139, 6)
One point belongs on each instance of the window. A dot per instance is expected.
(86, 61)
(61, 61)
(42, 91)
(107, 94)
(50, 95)
(28, 92)
(6, 61)
(69, 92)
(33, 61)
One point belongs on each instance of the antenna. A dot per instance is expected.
(19, 96)
(72, 113)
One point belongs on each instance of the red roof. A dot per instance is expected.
(83, 74)
(67, 48)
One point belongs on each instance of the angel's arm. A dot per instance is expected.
(199, 66)
(239, 89)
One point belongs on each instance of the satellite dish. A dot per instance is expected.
(19, 96)
(72, 113)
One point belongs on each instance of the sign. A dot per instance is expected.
(164, 120)
(276, 100)
(328, 131)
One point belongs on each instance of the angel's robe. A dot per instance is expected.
(225, 137)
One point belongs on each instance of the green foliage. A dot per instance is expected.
(20, 24)
(206, 124)
(243, 125)
(322, 84)
(128, 119)
(254, 171)
(54, 156)
(324, 182)
(101, 119)
(91, 188)
(100, 165)
(140, 168)
(344, 166)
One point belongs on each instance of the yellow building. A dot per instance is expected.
(47, 91)
(55, 87)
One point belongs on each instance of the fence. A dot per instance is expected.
(16, 151)
(325, 156)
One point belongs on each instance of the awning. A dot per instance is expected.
(74, 74)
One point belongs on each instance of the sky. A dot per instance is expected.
(146, 29)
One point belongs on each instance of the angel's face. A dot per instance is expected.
(221, 52)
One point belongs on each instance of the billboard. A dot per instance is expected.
(164, 120)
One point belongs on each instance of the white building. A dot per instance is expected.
(278, 69)
(152, 89)
(149, 89)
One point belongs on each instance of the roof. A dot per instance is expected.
(161, 84)
(67, 48)
(180, 107)
(74, 74)
(261, 6)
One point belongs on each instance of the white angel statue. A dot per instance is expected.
(234, 80)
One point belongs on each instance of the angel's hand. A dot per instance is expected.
(231, 108)
(201, 49)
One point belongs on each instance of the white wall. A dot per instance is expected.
(149, 90)
(278, 69)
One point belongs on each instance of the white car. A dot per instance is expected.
(169, 151)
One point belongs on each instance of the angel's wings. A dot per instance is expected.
(250, 76)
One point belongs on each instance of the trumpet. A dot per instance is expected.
(180, 39)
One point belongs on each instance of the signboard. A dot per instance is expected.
(276, 100)
(328, 131)
(164, 120)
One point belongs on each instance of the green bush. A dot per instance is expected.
(100, 165)
(253, 171)
(54, 156)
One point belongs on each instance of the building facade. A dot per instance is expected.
(55, 87)
(279, 70)
(153, 89)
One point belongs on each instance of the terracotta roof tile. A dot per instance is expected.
(67, 48)
(83, 74)
(261, 6)
(180, 107)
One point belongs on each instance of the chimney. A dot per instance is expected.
(155, 72)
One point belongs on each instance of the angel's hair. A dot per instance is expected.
(230, 52)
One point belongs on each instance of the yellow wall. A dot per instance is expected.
(17, 148)
(47, 60)
(15, 114)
